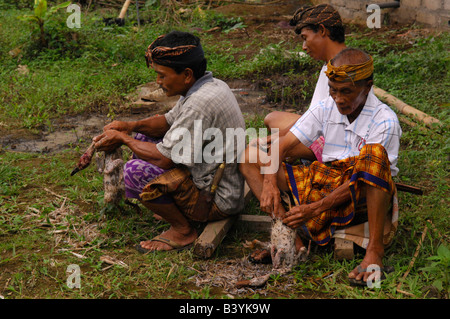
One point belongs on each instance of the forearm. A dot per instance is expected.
(270, 169)
(148, 152)
(154, 126)
(336, 198)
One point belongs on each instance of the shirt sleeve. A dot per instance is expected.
(387, 133)
(309, 127)
(171, 115)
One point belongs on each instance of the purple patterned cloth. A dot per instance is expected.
(137, 173)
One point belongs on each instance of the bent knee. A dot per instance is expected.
(272, 120)
(280, 120)
(374, 149)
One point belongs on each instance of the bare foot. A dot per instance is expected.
(178, 238)
(372, 259)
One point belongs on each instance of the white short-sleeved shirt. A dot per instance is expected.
(376, 123)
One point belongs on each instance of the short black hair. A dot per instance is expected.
(337, 33)
(179, 38)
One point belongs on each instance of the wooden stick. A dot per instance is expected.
(124, 9)
(405, 108)
(408, 189)
(413, 260)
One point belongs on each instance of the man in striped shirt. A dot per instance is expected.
(173, 166)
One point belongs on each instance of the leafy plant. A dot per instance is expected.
(41, 15)
(440, 267)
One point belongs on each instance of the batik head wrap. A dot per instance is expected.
(350, 72)
(320, 14)
(184, 55)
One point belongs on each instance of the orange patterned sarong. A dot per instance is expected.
(312, 183)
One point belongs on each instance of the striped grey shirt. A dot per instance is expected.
(198, 135)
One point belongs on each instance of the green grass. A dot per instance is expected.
(95, 73)
(100, 67)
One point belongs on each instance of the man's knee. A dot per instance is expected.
(270, 119)
(374, 149)
(138, 172)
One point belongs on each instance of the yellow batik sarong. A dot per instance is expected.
(312, 183)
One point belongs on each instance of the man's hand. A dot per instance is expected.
(109, 140)
(120, 126)
(270, 196)
(298, 215)
(261, 143)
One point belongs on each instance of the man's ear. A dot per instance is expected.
(323, 31)
(189, 75)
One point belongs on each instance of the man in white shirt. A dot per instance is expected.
(322, 32)
(362, 138)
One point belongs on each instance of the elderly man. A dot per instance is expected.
(169, 172)
(362, 138)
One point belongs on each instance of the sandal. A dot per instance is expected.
(175, 246)
(361, 283)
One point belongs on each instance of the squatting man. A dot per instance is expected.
(165, 173)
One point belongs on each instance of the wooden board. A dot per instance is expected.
(215, 232)
(212, 236)
(255, 223)
(343, 249)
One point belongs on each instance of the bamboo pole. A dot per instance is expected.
(405, 108)
(124, 9)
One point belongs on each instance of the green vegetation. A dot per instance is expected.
(41, 16)
(49, 221)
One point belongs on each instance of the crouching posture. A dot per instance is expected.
(172, 170)
(354, 183)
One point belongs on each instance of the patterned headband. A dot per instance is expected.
(320, 14)
(352, 72)
(176, 56)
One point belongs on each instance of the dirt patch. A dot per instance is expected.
(72, 131)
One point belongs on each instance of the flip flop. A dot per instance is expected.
(175, 246)
(361, 283)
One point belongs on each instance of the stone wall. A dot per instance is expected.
(434, 13)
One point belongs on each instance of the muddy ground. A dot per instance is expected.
(72, 131)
